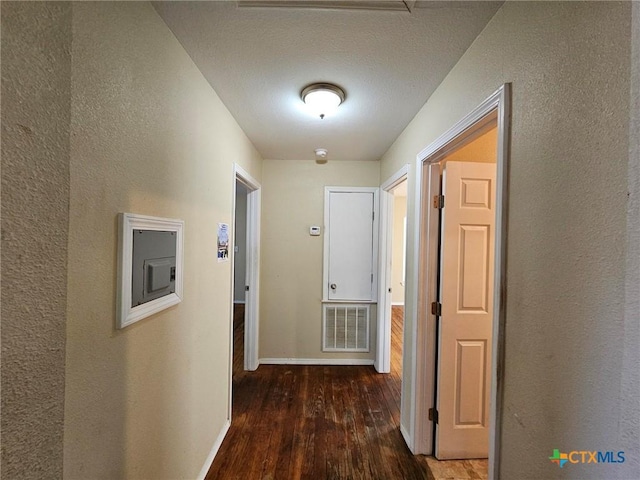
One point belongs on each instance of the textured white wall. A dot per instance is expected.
(629, 433)
(149, 136)
(566, 361)
(36, 65)
(291, 286)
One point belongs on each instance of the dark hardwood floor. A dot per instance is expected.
(238, 341)
(315, 422)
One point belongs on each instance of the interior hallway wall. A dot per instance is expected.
(36, 104)
(291, 284)
(150, 136)
(567, 363)
(397, 247)
(630, 385)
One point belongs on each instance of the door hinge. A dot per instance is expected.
(372, 278)
(438, 201)
(373, 216)
(436, 308)
(246, 288)
(433, 415)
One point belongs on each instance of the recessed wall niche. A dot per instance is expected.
(149, 266)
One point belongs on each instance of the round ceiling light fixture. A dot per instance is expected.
(322, 98)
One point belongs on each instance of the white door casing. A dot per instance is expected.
(466, 323)
(383, 351)
(252, 277)
(350, 244)
(416, 426)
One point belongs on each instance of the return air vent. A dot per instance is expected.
(346, 328)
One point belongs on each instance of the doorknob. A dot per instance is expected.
(333, 286)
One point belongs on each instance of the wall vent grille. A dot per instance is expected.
(346, 328)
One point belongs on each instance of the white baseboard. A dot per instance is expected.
(316, 361)
(214, 450)
(397, 304)
(238, 302)
(407, 437)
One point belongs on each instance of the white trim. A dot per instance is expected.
(214, 450)
(238, 302)
(316, 361)
(500, 280)
(425, 324)
(252, 297)
(383, 350)
(396, 179)
(128, 222)
(494, 108)
(245, 178)
(252, 276)
(397, 304)
(444, 143)
(325, 252)
(407, 438)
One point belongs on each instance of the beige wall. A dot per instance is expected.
(566, 360)
(36, 64)
(291, 284)
(397, 247)
(483, 149)
(149, 136)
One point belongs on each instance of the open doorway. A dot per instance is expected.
(465, 297)
(245, 277)
(398, 226)
(392, 268)
(442, 357)
(239, 278)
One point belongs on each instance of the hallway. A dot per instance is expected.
(317, 422)
(314, 422)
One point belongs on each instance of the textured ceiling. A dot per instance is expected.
(388, 62)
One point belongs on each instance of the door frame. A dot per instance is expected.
(496, 108)
(382, 362)
(252, 276)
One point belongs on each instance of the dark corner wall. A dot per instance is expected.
(36, 89)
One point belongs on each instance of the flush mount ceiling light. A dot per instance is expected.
(322, 98)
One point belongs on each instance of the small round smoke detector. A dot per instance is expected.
(321, 155)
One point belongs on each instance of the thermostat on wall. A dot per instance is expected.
(314, 231)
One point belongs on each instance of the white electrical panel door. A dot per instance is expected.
(351, 242)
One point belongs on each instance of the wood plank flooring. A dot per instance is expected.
(316, 422)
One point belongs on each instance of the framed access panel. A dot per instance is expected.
(150, 259)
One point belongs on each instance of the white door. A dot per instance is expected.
(351, 242)
(466, 293)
